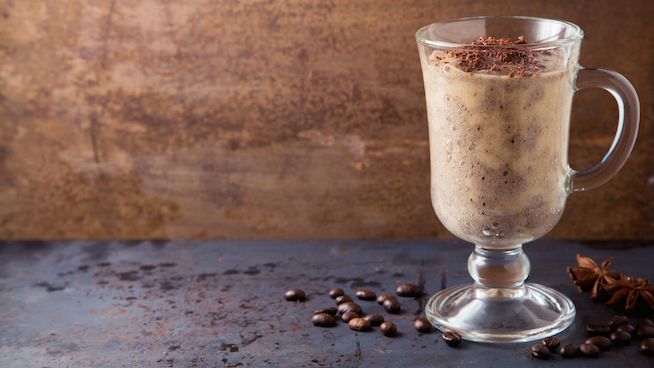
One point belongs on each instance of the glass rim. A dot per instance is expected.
(576, 35)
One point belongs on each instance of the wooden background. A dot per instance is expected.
(249, 119)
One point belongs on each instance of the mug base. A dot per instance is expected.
(497, 315)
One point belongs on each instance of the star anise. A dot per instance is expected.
(589, 276)
(632, 289)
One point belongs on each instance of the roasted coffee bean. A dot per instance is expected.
(422, 325)
(381, 298)
(602, 342)
(627, 328)
(366, 294)
(374, 319)
(329, 310)
(451, 338)
(598, 329)
(618, 320)
(349, 307)
(645, 322)
(392, 306)
(540, 351)
(336, 292)
(348, 316)
(620, 337)
(569, 350)
(645, 332)
(323, 320)
(343, 299)
(589, 350)
(408, 290)
(552, 343)
(295, 295)
(388, 329)
(647, 346)
(359, 324)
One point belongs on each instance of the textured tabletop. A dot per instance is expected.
(220, 303)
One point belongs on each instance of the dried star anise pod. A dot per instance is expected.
(632, 289)
(589, 276)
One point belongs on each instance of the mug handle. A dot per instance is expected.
(625, 137)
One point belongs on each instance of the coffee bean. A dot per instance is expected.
(408, 290)
(645, 332)
(323, 320)
(366, 294)
(295, 295)
(343, 299)
(388, 329)
(598, 329)
(645, 322)
(602, 342)
(392, 306)
(422, 325)
(329, 310)
(620, 337)
(569, 350)
(381, 298)
(348, 316)
(540, 351)
(359, 324)
(618, 320)
(374, 319)
(647, 346)
(336, 292)
(451, 338)
(349, 307)
(627, 328)
(552, 343)
(589, 350)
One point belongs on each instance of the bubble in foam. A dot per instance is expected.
(487, 232)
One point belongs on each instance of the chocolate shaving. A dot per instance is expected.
(497, 55)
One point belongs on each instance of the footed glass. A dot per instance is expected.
(499, 114)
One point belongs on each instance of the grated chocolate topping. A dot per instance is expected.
(492, 54)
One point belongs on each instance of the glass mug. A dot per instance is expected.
(499, 115)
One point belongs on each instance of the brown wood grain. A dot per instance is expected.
(233, 119)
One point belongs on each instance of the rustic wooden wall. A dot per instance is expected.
(286, 118)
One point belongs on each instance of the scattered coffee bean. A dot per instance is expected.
(598, 329)
(330, 310)
(627, 328)
(647, 346)
(645, 332)
(620, 337)
(388, 329)
(295, 295)
(348, 316)
(392, 306)
(366, 294)
(618, 320)
(336, 292)
(569, 351)
(374, 319)
(408, 290)
(540, 351)
(645, 322)
(381, 298)
(602, 342)
(343, 299)
(323, 320)
(589, 350)
(552, 343)
(422, 325)
(451, 338)
(349, 307)
(359, 324)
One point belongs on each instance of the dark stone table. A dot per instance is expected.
(220, 303)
